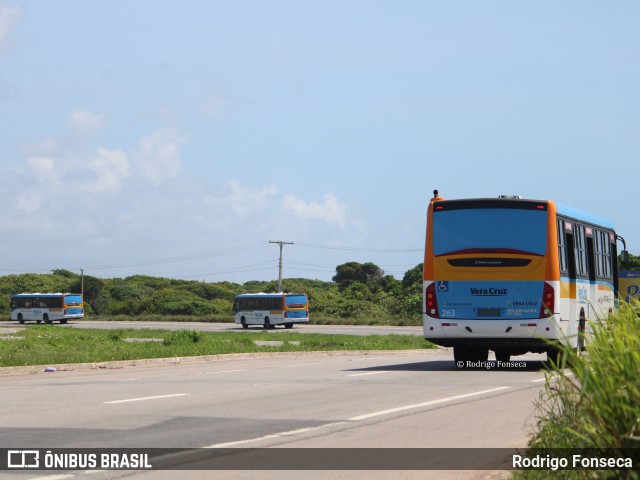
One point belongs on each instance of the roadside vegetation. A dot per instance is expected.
(360, 293)
(53, 345)
(592, 401)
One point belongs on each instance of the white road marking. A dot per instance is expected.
(553, 376)
(305, 364)
(424, 404)
(216, 372)
(54, 477)
(273, 435)
(368, 373)
(147, 398)
(352, 419)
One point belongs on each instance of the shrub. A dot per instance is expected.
(595, 402)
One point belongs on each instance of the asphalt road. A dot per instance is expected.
(400, 400)
(232, 327)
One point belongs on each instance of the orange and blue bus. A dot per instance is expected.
(271, 309)
(46, 307)
(515, 275)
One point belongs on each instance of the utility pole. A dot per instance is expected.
(282, 244)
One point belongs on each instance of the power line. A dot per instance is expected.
(361, 249)
(185, 258)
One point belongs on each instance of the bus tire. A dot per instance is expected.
(460, 353)
(63, 320)
(464, 353)
(502, 355)
(20, 318)
(45, 317)
(38, 321)
(556, 358)
(243, 322)
(581, 343)
(288, 325)
(267, 323)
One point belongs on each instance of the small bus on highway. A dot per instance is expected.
(271, 309)
(46, 307)
(514, 275)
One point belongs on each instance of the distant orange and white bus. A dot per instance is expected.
(46, 307)
(509, 274)
(271, 309)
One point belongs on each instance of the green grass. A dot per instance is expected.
(51, 344)
(593, 400)
(415, 320)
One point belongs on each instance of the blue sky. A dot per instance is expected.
(177, 138)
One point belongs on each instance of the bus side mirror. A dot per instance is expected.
(624, 256)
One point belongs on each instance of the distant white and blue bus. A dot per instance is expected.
(46, 307)
(271, 309)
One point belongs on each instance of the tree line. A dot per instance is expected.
(357, 291)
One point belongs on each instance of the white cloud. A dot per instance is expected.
(158, 156)
(330, 210)
(111, 168)
(29, 202)
(43, 168)
(85, 121)
(9, 16)
(244, 200)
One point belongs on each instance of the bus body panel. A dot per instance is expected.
(50, 307)
(278, 309)
(489, 300)
(488, 286)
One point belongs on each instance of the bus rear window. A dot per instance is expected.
(296, 301)
(73, 300)
(489, 228)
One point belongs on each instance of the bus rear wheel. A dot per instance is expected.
(243, 322)
(46, 319)
(267, 323)
(288, 325)
(20, 318)
(63, 320)
(464, 353)
(582, 330)
(502, 355)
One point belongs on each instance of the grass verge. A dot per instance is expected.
(222, 318)
(50, 344)
(592, 401)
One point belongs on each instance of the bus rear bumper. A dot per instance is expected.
(534, 345)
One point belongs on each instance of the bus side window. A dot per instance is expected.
(562, 248)
(580, 248)
(572, 256)
(591, 270)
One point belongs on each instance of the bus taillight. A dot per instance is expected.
(431, 302)
(548, 301)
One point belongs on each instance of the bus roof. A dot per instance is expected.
(513, 201)
(262, 294)
(42, 294)
(583, 216)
